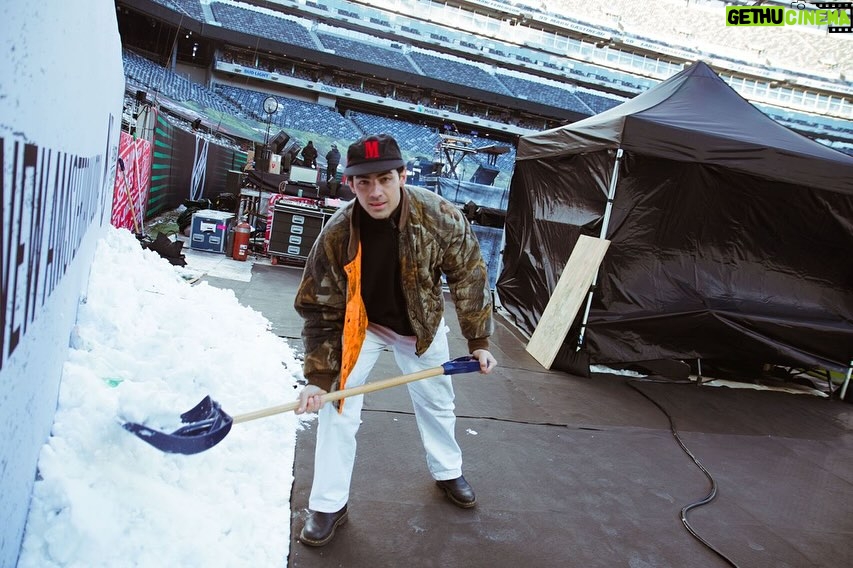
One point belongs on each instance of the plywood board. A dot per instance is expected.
(567, 298)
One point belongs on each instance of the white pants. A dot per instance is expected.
(433, 403)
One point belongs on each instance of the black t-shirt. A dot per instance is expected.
(381, 287)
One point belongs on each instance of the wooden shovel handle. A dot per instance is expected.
(339, 394)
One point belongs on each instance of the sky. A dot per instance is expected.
(149, 345)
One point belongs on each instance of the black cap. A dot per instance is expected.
(373, 154)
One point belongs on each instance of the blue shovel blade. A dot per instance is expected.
(205, 425)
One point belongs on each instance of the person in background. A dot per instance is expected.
(333, 158)
(309, 155)
(371, 283)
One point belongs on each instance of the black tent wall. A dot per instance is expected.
(704, 262)
(546, 214)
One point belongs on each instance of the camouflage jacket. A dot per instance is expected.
(435, 239)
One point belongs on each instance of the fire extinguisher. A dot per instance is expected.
(241, 241)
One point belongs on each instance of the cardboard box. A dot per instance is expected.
(210, 230)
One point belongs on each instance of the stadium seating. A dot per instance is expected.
(417, 139)
(292, 113)
(453, 70)
(596, 102)
(783, 46)
(190, 8)
(544, 92)
(588, 63)
(159, 80)
(316, 5)
(362, 51)
(663, 22)
(262, 24)
(815, 124)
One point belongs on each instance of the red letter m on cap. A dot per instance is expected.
(371, 149)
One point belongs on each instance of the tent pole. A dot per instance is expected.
(611, 192)
(843, 392)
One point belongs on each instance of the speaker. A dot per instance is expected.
(485, 175)
(262, 159)
(430, 168)
(279, 141)
(233, 179)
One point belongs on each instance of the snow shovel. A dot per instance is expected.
(206, 424)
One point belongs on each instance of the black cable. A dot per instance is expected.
(712, 494)
(469, 417)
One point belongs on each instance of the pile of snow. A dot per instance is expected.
(147, 347)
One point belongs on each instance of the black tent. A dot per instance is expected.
(731, 235)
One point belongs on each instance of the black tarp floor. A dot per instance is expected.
(582, 472)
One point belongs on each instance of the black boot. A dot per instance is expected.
(320, 527)
(459, 492)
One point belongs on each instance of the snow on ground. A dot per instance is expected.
(147, 347)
